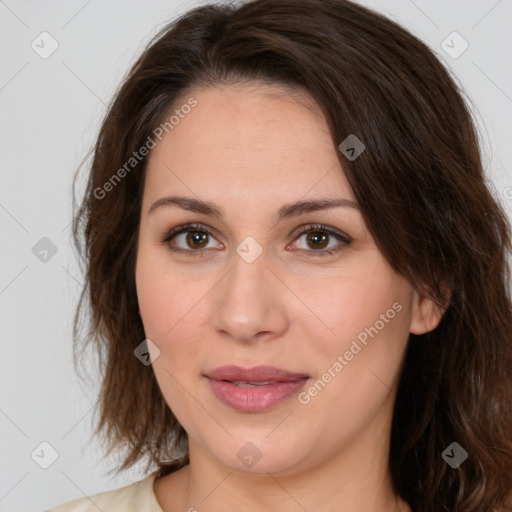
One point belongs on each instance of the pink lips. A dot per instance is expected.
(232, 385)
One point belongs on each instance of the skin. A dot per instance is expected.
(250, 149)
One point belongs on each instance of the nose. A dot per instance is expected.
(249, 304)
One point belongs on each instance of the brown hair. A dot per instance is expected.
(423, 195)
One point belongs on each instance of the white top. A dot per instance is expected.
(136, 497)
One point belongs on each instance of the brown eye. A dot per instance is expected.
(317, 239)
(193, 239)
(196, 239)
(321, 241)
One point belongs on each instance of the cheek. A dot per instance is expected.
(172, 308)
(353, 298)
(155, 299)
(161, 294)
(367, 312)
(166, 303)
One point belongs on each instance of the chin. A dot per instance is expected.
(260, 454)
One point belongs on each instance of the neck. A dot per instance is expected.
(356, 479)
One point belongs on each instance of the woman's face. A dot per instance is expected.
(262, 293)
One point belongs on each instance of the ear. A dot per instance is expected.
(426, 313)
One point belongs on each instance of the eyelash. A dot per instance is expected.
(310, 228)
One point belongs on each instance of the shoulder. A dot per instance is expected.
(136, 497)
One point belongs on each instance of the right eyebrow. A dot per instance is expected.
(188, 203)
(287, 211)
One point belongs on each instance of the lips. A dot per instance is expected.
(254, 389)
(257, 374)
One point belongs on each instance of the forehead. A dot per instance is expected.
(247, 139)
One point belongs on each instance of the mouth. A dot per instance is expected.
(242, 384)
(255, 375)
(254, 389)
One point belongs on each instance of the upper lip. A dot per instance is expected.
(234, 373)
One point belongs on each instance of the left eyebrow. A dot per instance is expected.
(285, 212)
(300, 207)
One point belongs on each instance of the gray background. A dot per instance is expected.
(50, 110)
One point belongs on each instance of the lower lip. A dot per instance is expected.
(254, 399)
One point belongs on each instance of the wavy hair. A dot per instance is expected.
(424, 197)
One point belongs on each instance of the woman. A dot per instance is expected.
(297, 273)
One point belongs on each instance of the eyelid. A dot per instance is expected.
(320, 227)
(183, 228)
(343, 238)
